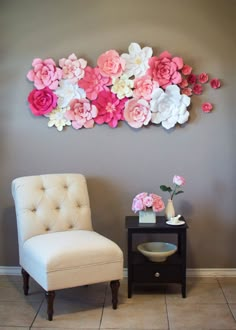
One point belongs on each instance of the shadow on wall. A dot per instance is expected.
(106, 208)
(10, 240)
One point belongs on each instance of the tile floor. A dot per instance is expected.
(210, 304)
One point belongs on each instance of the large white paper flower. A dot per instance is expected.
(68, 91)
(122, 87)
(169, 107)
(57, 118)
(137, 60)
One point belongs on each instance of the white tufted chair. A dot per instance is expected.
(57, 244)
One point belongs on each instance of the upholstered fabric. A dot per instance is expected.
(57, 244)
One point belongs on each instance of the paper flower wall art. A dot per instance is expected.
(135, 87)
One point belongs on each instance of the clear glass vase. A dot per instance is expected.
(170, 210)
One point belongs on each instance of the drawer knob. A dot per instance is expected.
(157, 274)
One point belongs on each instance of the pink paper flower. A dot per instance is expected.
(183, 84)
(143, 87)
(178, 180)
(164, 69)
(207, 107)
(203, 78)
(192, 78)
(197, 89)
(137, 112)
(81, 113)
(72, 68)
(110, 108)
(93, 82)
(44, 73)
(187, 91)
(42, 101)
(111, 64)
(144, 200)
(186, 70)
(215, 83)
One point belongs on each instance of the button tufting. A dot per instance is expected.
(47, 228)
(65, 186)
(57, 208)
(70, 226)
(33, 210)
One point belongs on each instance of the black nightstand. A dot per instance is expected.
(141, 270)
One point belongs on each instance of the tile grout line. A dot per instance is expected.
(225, 299)
(30, 327)
(167, 315)
(100, 323)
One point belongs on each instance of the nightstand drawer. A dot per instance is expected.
(157, 273)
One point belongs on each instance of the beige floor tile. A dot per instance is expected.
(135, 316)
(233, 310)
(229, 288)
(196, 279)
(200, 317)
(76, 308)
(15, 328)
(18, 313)
(197, 292)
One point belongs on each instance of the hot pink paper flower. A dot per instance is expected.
(192, 78)
(111, 64)
(44, 73)
(93, 82)
(203, 78)
(184, 83)
(72, 68)
(42, 101)
(110, 108)
(187, 91)
(143, 87)
(215, 83)
(186, 70)
(164, 69)
(197, 89)
(137, 112)
(81, 113)
(207, 107)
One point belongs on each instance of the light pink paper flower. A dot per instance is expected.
(215, 83)
(143, 87)
(187, 91)
(111, 64)
(110, 108)
(44, 73)
(165, 69)
(81, 113)
(203, 78)
(192, 78)
(178, 180)
(197, 89)
(137, 112)
(42, 101)
(93, 82)
(207, 107)
(72, 68)
(186, 70)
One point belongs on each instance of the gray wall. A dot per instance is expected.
(122, 162)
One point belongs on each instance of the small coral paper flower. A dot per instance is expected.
(207, 107)
(111, 64)
(178, 182)
(215, 83)
(144, 201)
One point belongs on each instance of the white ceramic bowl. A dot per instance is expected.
(157, 251)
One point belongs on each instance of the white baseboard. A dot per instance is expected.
(191, 272)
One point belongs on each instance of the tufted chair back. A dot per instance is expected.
(51, 203)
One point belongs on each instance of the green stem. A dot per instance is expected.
(173, 193)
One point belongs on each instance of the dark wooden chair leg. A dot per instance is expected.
(25, 276)
(50, 295)
(114, 291)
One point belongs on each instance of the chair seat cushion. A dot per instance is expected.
(84, 255)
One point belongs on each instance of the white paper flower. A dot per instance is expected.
(137, 60)
(57, 118)
(122, 87)
(68, 91)
(169, 107)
